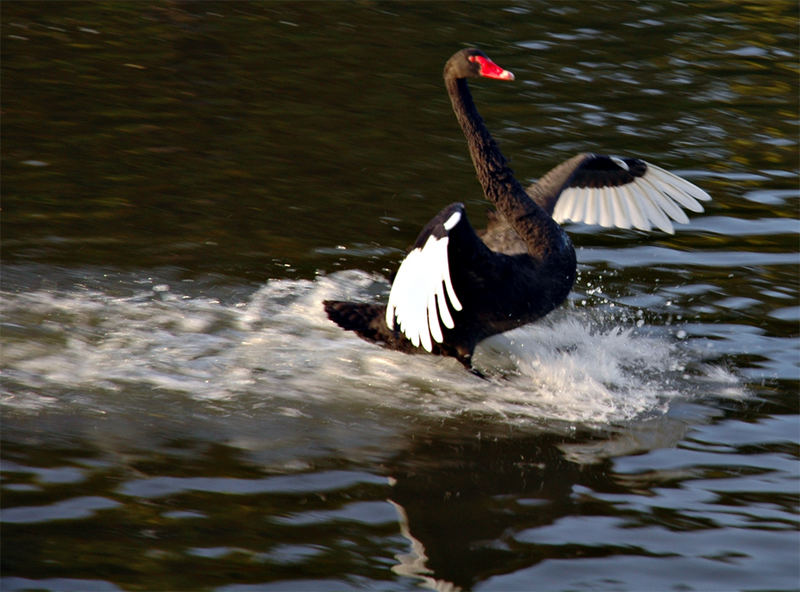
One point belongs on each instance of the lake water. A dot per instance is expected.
(185, 183)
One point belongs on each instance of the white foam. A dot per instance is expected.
(277, 348)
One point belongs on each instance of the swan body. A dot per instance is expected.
(456, 286)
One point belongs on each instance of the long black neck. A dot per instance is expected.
(542, 234)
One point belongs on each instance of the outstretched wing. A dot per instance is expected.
(626, 192)
(422, 288)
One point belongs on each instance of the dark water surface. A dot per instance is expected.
(184, 183)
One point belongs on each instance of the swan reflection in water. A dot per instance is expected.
(463, 501)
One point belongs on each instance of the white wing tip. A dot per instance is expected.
(421, 290)
(655, 199)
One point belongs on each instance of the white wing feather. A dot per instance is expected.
(653, 199)
(419, 294)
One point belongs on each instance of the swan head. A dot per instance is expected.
(473, 63)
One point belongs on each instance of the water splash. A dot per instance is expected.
(91, 348)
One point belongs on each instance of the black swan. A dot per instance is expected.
(456, 287)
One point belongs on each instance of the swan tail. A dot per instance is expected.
(368, 322)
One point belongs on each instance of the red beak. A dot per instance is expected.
(491, 70)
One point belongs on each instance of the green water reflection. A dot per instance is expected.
(238, 138)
